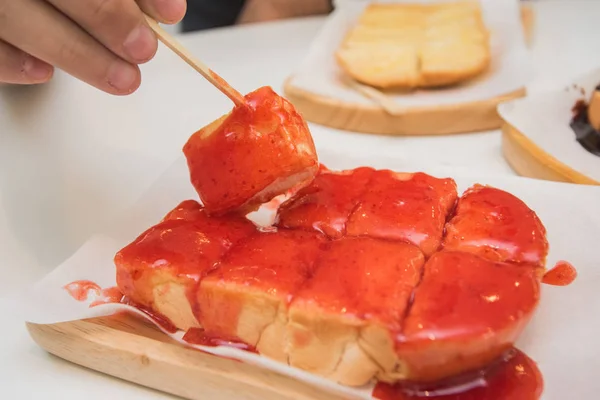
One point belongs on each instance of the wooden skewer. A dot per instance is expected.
(198, 65)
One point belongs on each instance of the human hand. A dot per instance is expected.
(100, 42)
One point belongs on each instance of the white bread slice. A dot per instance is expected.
(382, 66)
(406, 46)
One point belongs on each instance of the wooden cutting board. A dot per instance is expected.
(134, 350)
(439, 120)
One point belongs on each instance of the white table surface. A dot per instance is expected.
(71, 158)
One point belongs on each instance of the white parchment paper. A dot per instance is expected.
(510, 68)
(545, 117)
(562, 337)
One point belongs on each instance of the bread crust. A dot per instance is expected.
(352, 308)
(407, 46)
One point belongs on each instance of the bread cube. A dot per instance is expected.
(251, 155)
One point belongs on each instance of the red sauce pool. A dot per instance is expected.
(516, 377)
(198, 336)
(562, 274)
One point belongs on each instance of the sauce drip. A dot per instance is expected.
(200, 337)
(81, 291)
(516, 377)
(158, 319)
(562, 274)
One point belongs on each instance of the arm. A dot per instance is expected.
(270, 10)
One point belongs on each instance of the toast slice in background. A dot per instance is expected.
(406, 46)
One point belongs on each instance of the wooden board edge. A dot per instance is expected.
(528, 21)
(372, 119)
(441, 120)
(167, 367)
(529, 160)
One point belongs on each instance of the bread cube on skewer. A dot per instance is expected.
(251, 155)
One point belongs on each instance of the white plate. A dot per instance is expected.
(544, 119)
(562, 337)
(509, 71)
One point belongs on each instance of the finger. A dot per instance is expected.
(18, 67)
(117, 24)
(55, 39)
(165, 11)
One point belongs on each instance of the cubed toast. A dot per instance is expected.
(498, 226)
(246, 297)
(410, 207)
(344, 320)
(346, 300)
(326, 204)
(467, 311)
(160, 270)
(258, 151)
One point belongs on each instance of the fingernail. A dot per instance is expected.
(36, 69)
(171, 11)
(140, 45)
(122, 76)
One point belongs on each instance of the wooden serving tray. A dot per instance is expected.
(134, 350)
(439, 120)
(528, 159)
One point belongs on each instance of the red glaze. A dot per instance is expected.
(187, 210)
(326, 203)
(108, 296)
(406, 207)
(199, 337)
(80, 290)
(275, 263)
(363, 277)
(277, 201)
(181, 248)
(234, 159)
(158, 318)
(497, 225)
(516, 377)
(562, 274)
(466, 312)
